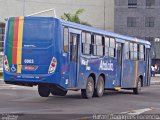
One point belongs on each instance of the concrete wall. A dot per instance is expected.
(99, 13)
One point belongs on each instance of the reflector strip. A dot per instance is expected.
(19, 49)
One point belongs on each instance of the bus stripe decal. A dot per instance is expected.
(135, 73)
(14, 59)
(11, 33)
(19, 50)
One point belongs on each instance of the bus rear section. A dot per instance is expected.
(31, 53)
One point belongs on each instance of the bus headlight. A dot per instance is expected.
(5, 63)
(52, 66)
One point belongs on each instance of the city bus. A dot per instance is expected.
(58, 56)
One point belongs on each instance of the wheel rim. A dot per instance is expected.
(90, 88)
(100, 87)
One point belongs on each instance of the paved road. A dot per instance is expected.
(26, 100)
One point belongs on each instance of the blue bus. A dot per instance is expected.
(59, 56)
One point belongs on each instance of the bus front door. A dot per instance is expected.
(119, 47)
(74, 59)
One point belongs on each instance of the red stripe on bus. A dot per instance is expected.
(15, 41)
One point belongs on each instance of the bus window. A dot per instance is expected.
(65, 39)
(112, 47)
(98, 47)
(141, 52)
(127, 50)
(106, 46)
(86, 43)
(135, 51)
(131, 51)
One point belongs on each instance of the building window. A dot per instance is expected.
(2, 32)
(131, 22)
(150, 3)
(132, 3)
(149, 21)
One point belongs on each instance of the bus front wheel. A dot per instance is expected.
(137, 90)
(88, 92)
(99, 90)
(43, 90)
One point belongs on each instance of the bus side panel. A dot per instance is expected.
(128, 74)
(141, 71)
(97, 66)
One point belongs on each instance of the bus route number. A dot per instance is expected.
(31, 61)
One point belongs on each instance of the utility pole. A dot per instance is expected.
(104, 14)
(23, 7)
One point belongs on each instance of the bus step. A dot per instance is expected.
(117, 88)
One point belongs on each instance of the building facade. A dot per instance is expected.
(141, 19)
(99, 13)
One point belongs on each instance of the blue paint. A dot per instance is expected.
(43, 40)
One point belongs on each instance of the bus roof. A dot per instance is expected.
(103, 32)
(96, 30)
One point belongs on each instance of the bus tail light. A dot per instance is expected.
(5, 63)
(52, 66)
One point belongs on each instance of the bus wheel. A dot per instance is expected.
(88, 92)
(137, 90)
(59, 92)
(99, 90)
(43, 90)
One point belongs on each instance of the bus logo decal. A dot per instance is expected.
(106, 66)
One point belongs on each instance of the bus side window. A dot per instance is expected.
(98, 47)
(106, 46)
(135, 51)
(141, 52)
(131, 51)
(127, 50)
(112, 47)
(65, 39)
(86, 43)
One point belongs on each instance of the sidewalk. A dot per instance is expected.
(155, 80)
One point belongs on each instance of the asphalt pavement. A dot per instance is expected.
(25, 103)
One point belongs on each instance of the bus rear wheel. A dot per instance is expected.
(137, 90)
(43, 90)
(88, 92)
(58, 91)
(99, 90)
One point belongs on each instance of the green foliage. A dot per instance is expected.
(75, 17)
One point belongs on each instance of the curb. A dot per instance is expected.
(155, 83)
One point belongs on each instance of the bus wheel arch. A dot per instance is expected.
(137, 90)
(88, 92)
(141, 80)
(100, 85)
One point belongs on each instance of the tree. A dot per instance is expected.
(75, 17)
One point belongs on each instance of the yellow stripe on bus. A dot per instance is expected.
(135, 73)
(19, 49)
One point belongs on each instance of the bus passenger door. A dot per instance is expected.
(74, 59)
(119, 47)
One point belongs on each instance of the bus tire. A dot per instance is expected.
(43, 90)
(99, 90)
(58, 92)
(88, 92)
(137, 90)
